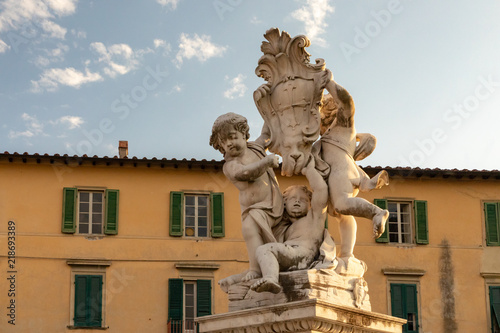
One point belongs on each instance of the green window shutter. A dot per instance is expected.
(69, 210)
(217, 201)
(404, 304)
(176, 207)
(88, 301)
(421, 225)
(203, 298)
(326, 222)
(80, 311)
(491, 216)
(382, 203)
(175, 296)
(112, 199)
(411, 306)
(397, 308)
(494, 306)
(94, 297)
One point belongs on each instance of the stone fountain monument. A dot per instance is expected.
(297, 281)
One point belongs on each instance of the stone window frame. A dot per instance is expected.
(490, 280)
(87, 267)
(405, 276)
(193, 271)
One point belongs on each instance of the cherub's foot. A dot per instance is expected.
(266, 284)
(379, 223)
(382, 179)
(379, 180)
(225, 283)
(251, 275)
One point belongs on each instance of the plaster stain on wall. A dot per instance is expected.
(447, 287)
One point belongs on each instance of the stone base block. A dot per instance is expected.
(302, 316)
(343, 285)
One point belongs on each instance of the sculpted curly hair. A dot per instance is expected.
(222, 126)
(328, 112)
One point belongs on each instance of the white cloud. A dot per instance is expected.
(175, 89)
(3, 46)
(53, 29)
(33, 127)
(62, 7)
(314, 14)
(72, 121)
(161, 44)
(255, 20)
(51, 79)
(34, 15)
(168, 3)
(200, 47)
(42, 61)
(51, 56)
(238, 88)
(118, 58)
(79, 33)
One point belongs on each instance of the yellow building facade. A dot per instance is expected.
(125, 244)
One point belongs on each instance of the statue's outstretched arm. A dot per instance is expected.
(344, 101)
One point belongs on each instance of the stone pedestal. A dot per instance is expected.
(311, 315)
(339, 285)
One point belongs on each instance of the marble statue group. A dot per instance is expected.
(314, 134)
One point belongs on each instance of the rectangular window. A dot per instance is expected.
(90, 212)
(189, 305)
(494, 292)
(88, 301)
(404, 305)
(407, 222)
(399, 222)
(188, 299)
(196, 215)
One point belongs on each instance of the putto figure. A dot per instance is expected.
(249, 168)
(306, 213)
(340, 152)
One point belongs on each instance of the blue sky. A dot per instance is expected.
(78, 76)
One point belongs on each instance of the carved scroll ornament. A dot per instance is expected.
(290, 100)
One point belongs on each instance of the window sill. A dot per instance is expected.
(402, 245)
(87, 327)
(403, 271)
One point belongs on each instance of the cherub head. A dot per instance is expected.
(297, 200)
(230, 133)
